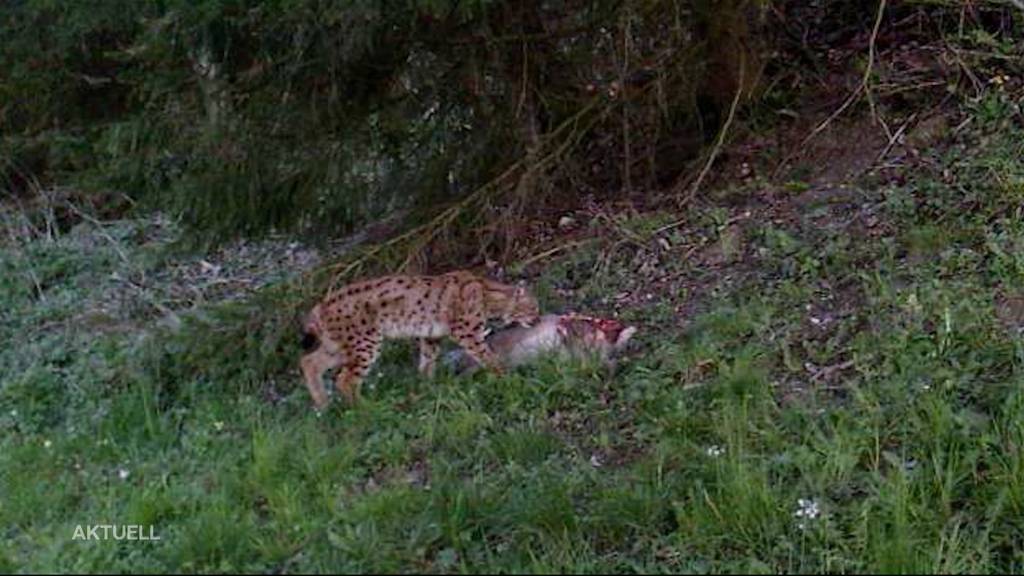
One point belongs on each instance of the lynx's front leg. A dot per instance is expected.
(468, 327)
(470, 336)
(429, 348)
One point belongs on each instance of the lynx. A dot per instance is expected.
(350, 324)
(569, 335)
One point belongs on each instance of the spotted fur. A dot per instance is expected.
(351, 323)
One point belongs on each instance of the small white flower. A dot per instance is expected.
(808, 510)
(595, 461)
(14, 413)
(47, 444)
(218, 425)
(715, 451)
(123, 473)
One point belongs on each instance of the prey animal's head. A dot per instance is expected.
(603, 336)
(616, 333)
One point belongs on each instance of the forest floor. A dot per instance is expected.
(827, 377)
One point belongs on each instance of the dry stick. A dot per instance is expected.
(721, 136)
(827, 371)
(898, 89)
(522, 92)
(979, 87)
(627, 152)
(26, 222)
(555, 250)
(871, 61)
(670, 226)
(169, 314)
(48, 215)
(623, 231)
(19, 246)
(895, 138)
(862, 87)
(433, 227)
(99, 228)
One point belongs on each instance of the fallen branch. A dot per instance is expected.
(862, 88)
(100, 229)
(566, 135)
(552, 251)
(826, 372)
(895, 138)
(721, 137)
(144, 293)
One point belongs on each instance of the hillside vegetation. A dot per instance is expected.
(828, 370)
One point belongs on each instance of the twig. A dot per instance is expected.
(895, 138)
(962, 125)
(677, 223)
(670, 226)
(623, 69)
(167, 312)
(853, 97)
(721, 136)
(99, 228)
(623, 231)
(555, 250)
(827, 371)
(899, 89)
(979, 87)
(426, 232)
(871, 62)
(35, 281)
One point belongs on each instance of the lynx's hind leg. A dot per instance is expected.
(360, 352)
(314, 365)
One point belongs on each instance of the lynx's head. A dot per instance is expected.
(513, 305)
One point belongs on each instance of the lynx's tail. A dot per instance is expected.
(311, 330)
(309, 341)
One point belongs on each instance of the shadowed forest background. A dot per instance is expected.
(317, 118)
(811, 211)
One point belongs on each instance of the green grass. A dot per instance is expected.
(694, 457)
